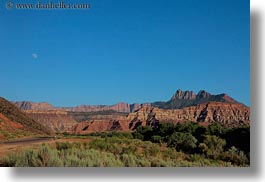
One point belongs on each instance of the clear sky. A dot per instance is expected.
(131, 51)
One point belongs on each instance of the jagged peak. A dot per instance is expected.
(203, 94)
(189, 95)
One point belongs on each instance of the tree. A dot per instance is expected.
(164, 129)
(212, 146)
(145, 131)
(187, 127)
(239, 137)
(235, 156)
(215, 129)
(138, 135)
(199, 133)
(157, 139)
(182, 141)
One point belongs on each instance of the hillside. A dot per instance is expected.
(100, 126)
(15, 124)
(54, 120)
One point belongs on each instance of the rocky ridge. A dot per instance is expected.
(183, 99)
(43, 106)
(227, 114)
(179, 100)
(203, 108)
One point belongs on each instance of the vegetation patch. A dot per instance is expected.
(183, 145)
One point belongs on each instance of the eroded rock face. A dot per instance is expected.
(62, 121)
(24, 105)
(227, 114)
(43, 106)
(99, 126)
(135, 107)
(179, 100)
(203, 94)
(84, 116)
(120, 107)
(203, 107)
(55, 120)
(187, 95)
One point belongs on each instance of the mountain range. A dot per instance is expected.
(203, 107)
(183, 99)
(179, 100)
(30, 118)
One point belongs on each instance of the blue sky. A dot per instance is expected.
(131, 51)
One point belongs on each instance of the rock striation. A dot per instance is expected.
(55, 120)
(203, 108)
(43, 106)
(227, 114)
(99, 126)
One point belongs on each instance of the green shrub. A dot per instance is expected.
(43, 157)
(116, 152)
(215, 129)
(239, 137)
(212, 146)
(157, 139)
(146, 131)
(186, 127)
(164, 129)
(235, 156)
(182, 141)
(156, 162)
(138, 135)
(63, 145)
(128, 160)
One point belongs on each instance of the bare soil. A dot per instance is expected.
(11, 146)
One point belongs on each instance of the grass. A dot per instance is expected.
(14, 135)
(106, 152)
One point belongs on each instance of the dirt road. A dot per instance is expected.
(10, 146)
(28, 141)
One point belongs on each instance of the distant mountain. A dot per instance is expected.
(179, 100)
(203, 107)
(44, 106)
(119, 107)
(183, 99)
(16, 124)
(25, 105)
